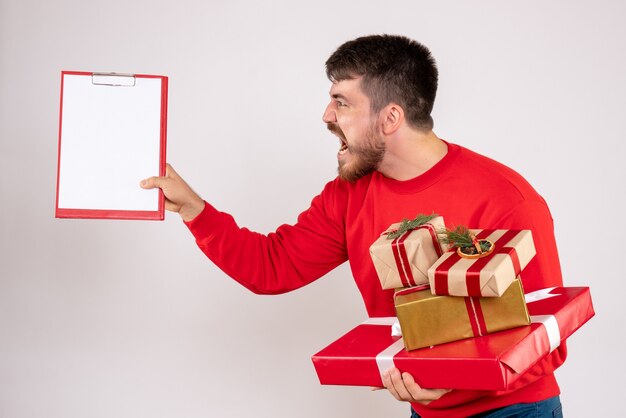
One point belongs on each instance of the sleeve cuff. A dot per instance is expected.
(206, 223)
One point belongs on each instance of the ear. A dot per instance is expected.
(392, 118)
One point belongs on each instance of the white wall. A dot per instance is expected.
(128, 318)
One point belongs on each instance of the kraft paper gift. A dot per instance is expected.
(488, 276)
(404, 261)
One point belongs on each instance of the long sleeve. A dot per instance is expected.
(284, 260)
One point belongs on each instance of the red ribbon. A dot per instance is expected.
(472, 275)
(401, 258)
(402, 262)
(472, 304)
(409, 290)
(476, 316)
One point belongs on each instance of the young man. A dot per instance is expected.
(391, 166)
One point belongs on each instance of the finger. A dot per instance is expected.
(170, 206)
(423, 396)
(438, 393)
(398, 384)
(411, 386)
(389, 385)
(429, 395)
(375, 388)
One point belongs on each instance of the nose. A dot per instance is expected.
(329, 115)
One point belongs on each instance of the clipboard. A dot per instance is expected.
(112, 134)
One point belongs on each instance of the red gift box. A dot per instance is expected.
(490, 362)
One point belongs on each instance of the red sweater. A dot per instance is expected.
(346, 218)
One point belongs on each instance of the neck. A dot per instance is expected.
(411, 153)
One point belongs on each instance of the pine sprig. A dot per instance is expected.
(408, 225)
(461, 237)
(457, 237)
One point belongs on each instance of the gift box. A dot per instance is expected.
(488, 276)
(490, 362)
(404, 261)
(426, 319)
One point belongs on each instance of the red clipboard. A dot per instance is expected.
(112, 134)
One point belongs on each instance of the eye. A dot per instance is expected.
(340, 103)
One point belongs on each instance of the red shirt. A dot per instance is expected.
(346, 218)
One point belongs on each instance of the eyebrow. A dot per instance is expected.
(339, 96)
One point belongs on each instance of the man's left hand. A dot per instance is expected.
(403, 387)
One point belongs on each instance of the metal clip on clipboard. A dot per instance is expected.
(113, 79)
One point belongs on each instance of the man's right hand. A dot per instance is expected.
(179, 197)
(404, 388)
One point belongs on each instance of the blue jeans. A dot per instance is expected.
(549, 408)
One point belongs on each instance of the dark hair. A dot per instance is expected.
(394, 69)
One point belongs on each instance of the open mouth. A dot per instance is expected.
(343, 145)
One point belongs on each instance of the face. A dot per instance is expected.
(349, 117)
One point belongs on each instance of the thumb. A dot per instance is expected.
(152, 182)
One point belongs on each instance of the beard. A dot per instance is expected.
(364, 158)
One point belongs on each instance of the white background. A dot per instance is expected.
(129, 319)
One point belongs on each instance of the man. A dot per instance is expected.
(391, 166)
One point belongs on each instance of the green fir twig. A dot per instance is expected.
(408, 225)
(462, 237)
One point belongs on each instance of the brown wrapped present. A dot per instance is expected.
(488, 274)
(402, 258)
(427, 320)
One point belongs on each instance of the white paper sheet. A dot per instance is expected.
(110, 140)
